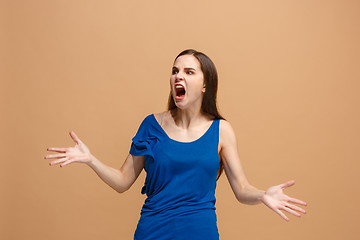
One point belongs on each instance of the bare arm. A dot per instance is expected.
(119, 179)
(244, 192)
(274, 197)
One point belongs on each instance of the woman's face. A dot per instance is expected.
(187, 82)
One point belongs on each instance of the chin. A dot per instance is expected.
(180, 105)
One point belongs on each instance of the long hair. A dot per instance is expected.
(208, 104)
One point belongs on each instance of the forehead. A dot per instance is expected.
(186, 61)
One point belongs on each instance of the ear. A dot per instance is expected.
(204, 88)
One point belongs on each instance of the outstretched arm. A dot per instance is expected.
(274, 197)
(119, 179)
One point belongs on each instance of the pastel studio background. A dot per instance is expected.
(289, 85)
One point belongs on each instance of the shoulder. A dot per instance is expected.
(159, 115)
(147, 124)
(147, 118)
(225, 127)
(226, 133)
(162, 116)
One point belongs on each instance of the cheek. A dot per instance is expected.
(195, 88)
(199, 84)
(172, 80)
(171, 83)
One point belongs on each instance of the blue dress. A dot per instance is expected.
(180, 184)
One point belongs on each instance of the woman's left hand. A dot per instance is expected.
(276, 200)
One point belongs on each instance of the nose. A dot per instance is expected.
(179, 76)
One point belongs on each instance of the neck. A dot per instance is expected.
(186, 118)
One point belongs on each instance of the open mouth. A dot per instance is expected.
(179, 92)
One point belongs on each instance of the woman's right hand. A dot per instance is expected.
(80, 153)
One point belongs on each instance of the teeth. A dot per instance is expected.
(178, 86)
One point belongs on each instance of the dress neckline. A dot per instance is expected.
(158, 124)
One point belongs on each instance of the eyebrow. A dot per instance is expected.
(187, 68)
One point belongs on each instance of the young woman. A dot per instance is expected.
(183, 151)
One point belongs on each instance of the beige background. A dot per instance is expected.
(289, 85)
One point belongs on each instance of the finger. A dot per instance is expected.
(72, 160)
(291, 211)
(299, 209)
(55, 156)
(294, 200)
(61, 150)
(281, 214)
(58, 161)
(67, 163)
(74, 137)
(287, 184)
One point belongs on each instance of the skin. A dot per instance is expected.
(187, 123)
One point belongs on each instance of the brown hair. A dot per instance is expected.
(208, 104)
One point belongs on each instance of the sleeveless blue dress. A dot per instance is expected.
(180, 184)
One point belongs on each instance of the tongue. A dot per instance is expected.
(181, 92)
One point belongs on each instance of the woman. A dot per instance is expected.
(183, 151)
